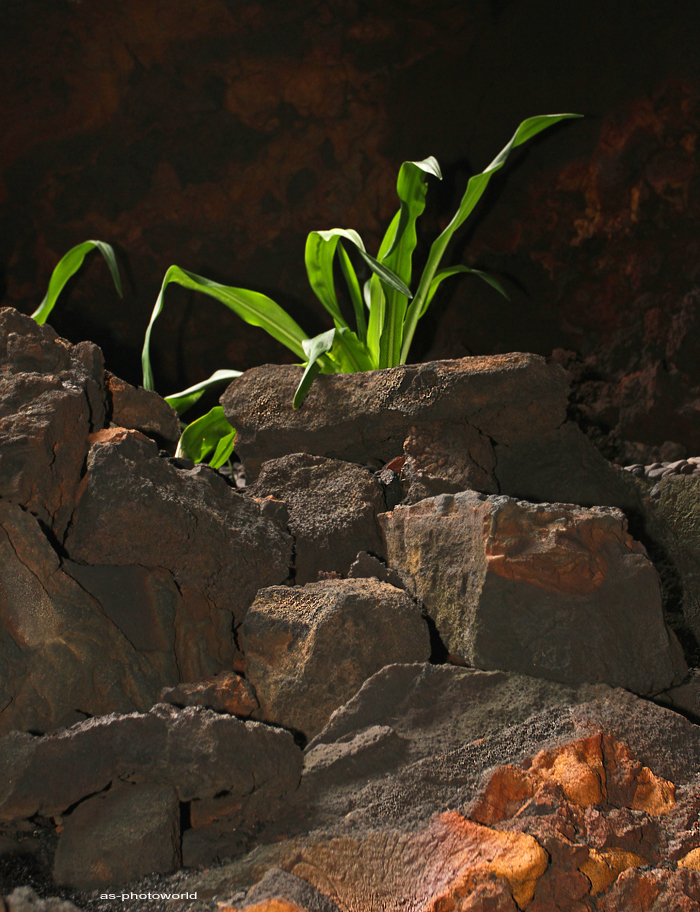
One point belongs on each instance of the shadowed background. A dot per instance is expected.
(216, 134)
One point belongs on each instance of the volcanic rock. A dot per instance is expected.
(332, 507)
(493, 423)
(309, 649)
(61, 655)
(119, 836)
(51, 399)
(227, 692)
(283, 891)
(25, 899)
(142, 410)
(550, 590)
(135, 508)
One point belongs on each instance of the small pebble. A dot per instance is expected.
(656, 473)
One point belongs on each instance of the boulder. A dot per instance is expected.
(62, 656)
(309, 649)
(136, 508)
(227, 692)
(332, 507)
(550, 590)
(141, 410)
(494, 423)
(198, 752)
(119, 836)
(51, 399)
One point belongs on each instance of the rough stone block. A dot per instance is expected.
(549, 590)
(309, 649)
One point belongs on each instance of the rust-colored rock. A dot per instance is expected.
(550, 590)
(226, 692)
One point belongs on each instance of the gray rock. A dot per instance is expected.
(25, 899)
(550, 590)
(374, 750)
(686, 697)
(190, 522)
(309, 649)
(280, 885)
(332, 507)
(198, 752)
(119, 836)
(51, 399)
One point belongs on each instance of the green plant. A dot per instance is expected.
(386, 312)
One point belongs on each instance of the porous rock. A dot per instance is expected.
(135, 508)
(25, 899)
(198, 752)
(283, 891)
(493, 423)
(309, 649)
(119, 836)
(61, 655)
(51, 399)
(332, 506)
(141, 410)
(550, 590)
(226, 692)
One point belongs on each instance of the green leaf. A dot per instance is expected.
(355, 293)
(256, 309)
(187, 398)
(374, 296)
(412, 188)
(314, 349)
(320, 250)
(453, 270)
(67, 267)
(349, 354)
(475, 189)
(209, 434)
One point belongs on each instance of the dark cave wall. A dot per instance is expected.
(216, 135)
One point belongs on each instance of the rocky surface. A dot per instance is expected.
(553, 591)
(227, 692)
(309, 649)
(332, 506)
(190, 522)
(494, 424)
(141, 410)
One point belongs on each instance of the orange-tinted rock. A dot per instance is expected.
(226, 692)
(548, 590)
(142, 410)
(603, 868)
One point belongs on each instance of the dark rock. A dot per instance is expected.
(309, 649)
(61, 655)
(119, 836)
(554, 591)
(332, 507)
(142, 410)
(192, 523)
(51, 399)
(226, 692)
(372, 751)
(198, 752)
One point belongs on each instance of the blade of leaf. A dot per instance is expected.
(411, 187)
(187, 398)
(255, 308)
(453, 270)
(209, 434)
(349, 354)
(475, 188)
(355, 293)
(375, 297)
(67, 267)
(314, 349)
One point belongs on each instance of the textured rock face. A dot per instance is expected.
(308, 650)
(489, 423)
(552, 590)
(141, 410)
(333, 507)
(197, 752)
(227, 692)
(119, 836)
(51, 399)
(61, 655)
(135, 508)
